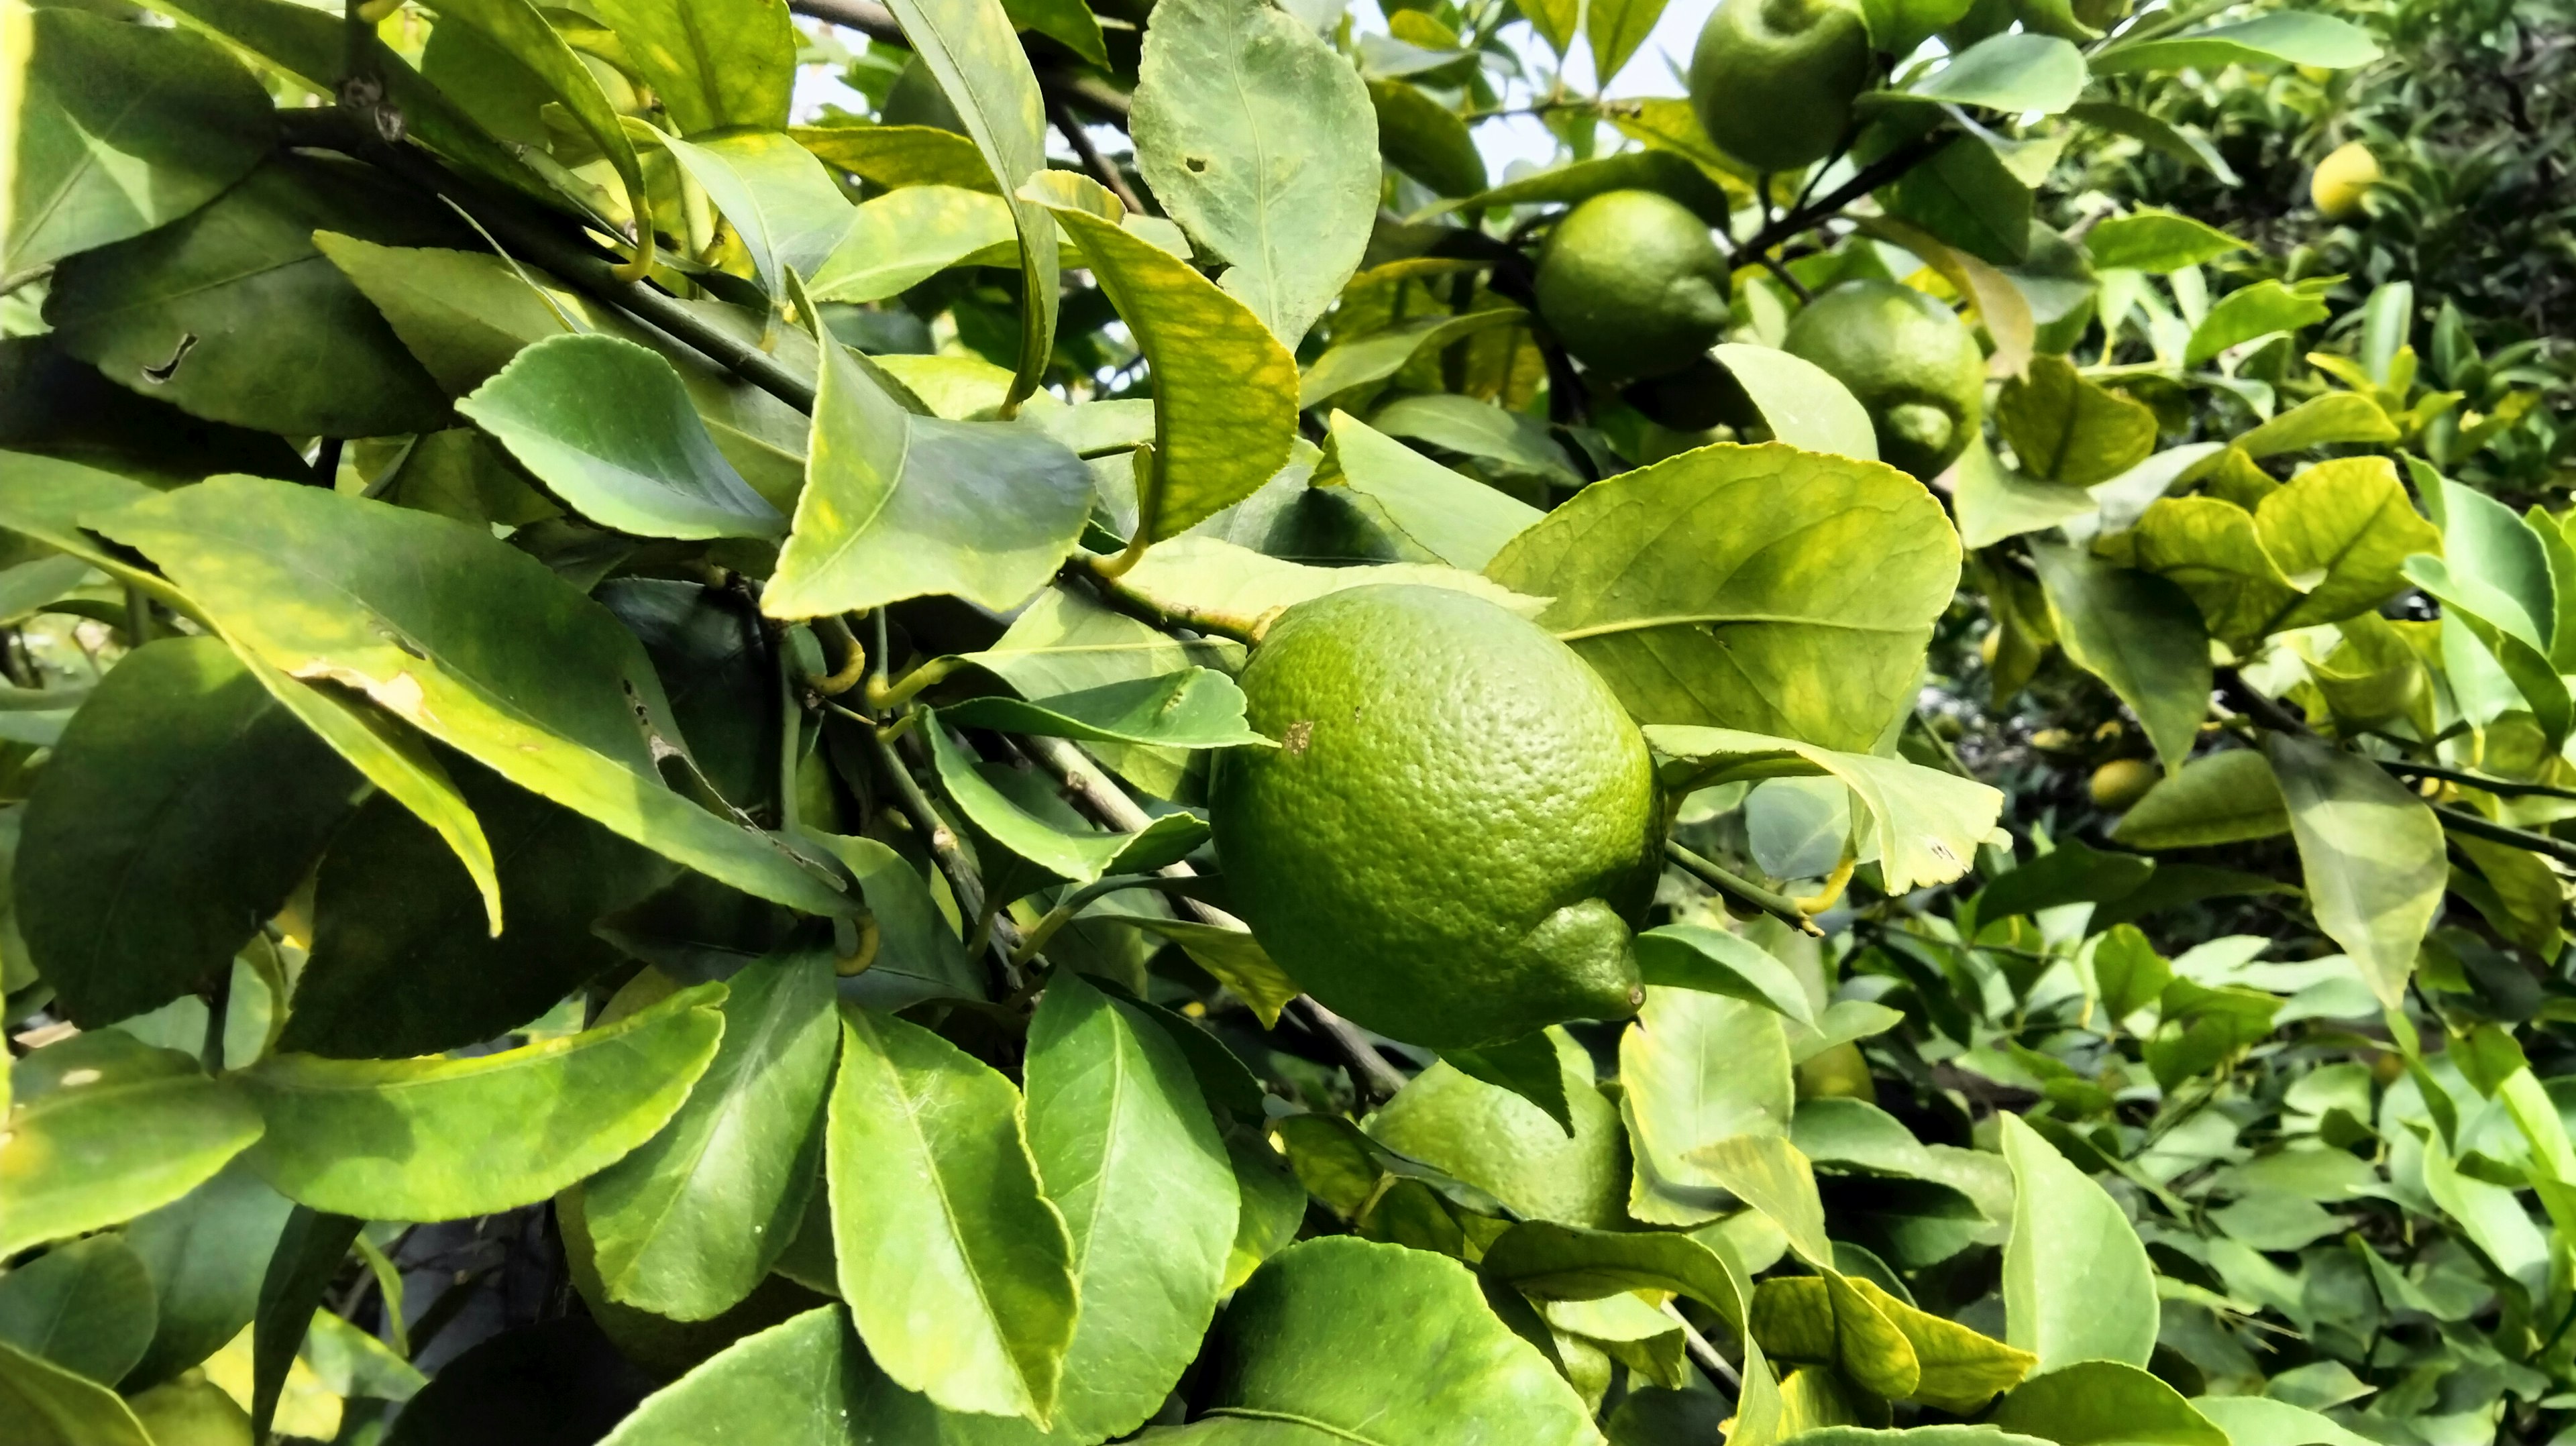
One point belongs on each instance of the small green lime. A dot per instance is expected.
(2119, 784)
(1632, 284)
(1774, 80)
(1908, 360)
(1840, 1073)
(1458, 827)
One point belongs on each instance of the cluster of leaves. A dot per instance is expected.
(608, 699)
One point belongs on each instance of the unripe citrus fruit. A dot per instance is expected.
(2342, 179)
(1839, 1073)
(1458, 827)
(1632, 285)
(1911, 364)
(1774, 80)
(2119, 784)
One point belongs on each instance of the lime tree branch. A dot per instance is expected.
(878, 23)
(1741, 889)
(1880, 172)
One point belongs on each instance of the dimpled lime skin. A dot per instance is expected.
(1773, 81)
(1460, 825)
(1913, 366)
(1632, 285)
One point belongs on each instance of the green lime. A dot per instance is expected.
(1909, 361)
(2119, 784)
(1458, 827)
(1840, 1073)
(1774, 80)
(1632, 284)
(2342, 179)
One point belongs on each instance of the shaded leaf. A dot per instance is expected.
(2136, 632)
(2153, 240)
(1926, 823)
(904, 237)
(1426, 140)
(2098, 1403)
(86, 1306)
(1497, 1139)
(1193, 708)
(47, 1405)
(795, 1384)
(2371, 853)
(205, 1254)
(2228, 797)
(2076, 1284)
(1375, 356)
(102, 1128)
(1449, 517)
(2066, 429)
(781, 201)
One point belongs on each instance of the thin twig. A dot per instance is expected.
(1741, 889)
(1869, 178)
(1101, 167)
(1704, 1353)
(1127, 598)
(2496, 786)
(878, 23)
(2460, 820)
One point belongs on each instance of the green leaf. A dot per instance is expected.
(1712, 589)
(2064, 428)
(906, 236)
(2076, 1284)
(1560, 1262)
(2221, 798)
(1193, 708)
(1235, 582)
(899, 156)
(2262, 1421)
(1223, 411)
(475, 643)
(2071, 873)
(711, 65)
(1274, 1208)
(2154, 240)
(2342, 530)
(1967, 197)
(179, 810)
(1077, 857)
(205, 1254)
(1260, 140)
(1691, 956)
(687, 1224)
(1769, 1175)
(1959, 1369)
(1526, 1066)
(47, 1405)
(1127, 1152)
(1450, 517)
(102, 1128)
(606, 425)
(86, 1306)
(937, 1215)
(797, 1383)
(463, 314)
(1666, 172)
(2187, 144)
(781, 201)
(1513, 442)
(1615, 29)
(1375, 356)
(2254, 311)
(2136, 632)
(1993, 501)
(898, 506)
(1697, 1069)
(2492, 565)
(2212, 549)
(2017, 72)
(918, 956)
(1232, 956)
(1496, 1139)
(1414, 1355)
(972, 49)
(1926, 823)
(281, 341)
(1800, 401)
(123, 128)
(482, 1134)
(2371, 852)
(309, 1253)
(2334, 417)
(2105, 1403)
(1426, 140)
(2290, 37)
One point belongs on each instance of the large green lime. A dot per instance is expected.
(1458, 827)
(1774, 80)
(1912, 364)
(1632, 285)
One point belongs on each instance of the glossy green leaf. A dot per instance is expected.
(1426, 140)
(1224, 415)
(937, 1215)
(1079, 857)
(711, 65)
(898, 505)
(477, 1135)
(181, 807)
(2076, 1285)
(918, 956)
(2136, 632)
(477, 644)
(970, 47)
(1449, 517)
(1501, 1143)
(1959, 1369)
(898, 156)
(1193, 708)
(781, 201)
(1408, 1352)
(123, 128)
(2066, 429)
(1513, 442)
(1693, 956)
(2371, 853)
(232, 314)
(1993, 501)
(1697, 1068)
(1260, 140)
(1274, 1208)
(205, 1254)
(1926, 823)
(1969, 199)
(463, 314)
(2334, 417)
(1374, 356)
(2153, 240)
(2019, 72)
(2105, 1403)
(797, 1383)
(47, 1405)
(2254, 311)
(1665, 172)
(1712, 589)
(1065, 643)
(1526, 1066)
(86, 1306)
(2283, 37)
(687, 1224)
(906, 236)
(309, 1253)
(1231, 956)
(2220, 798)
(606, 425)
(102, 1128)
(2262, 1421)
(1799, 401)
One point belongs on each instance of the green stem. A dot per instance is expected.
(885, 698)
(791, 730)
(2460, 820)
(2496, 786)
(1743, 890)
